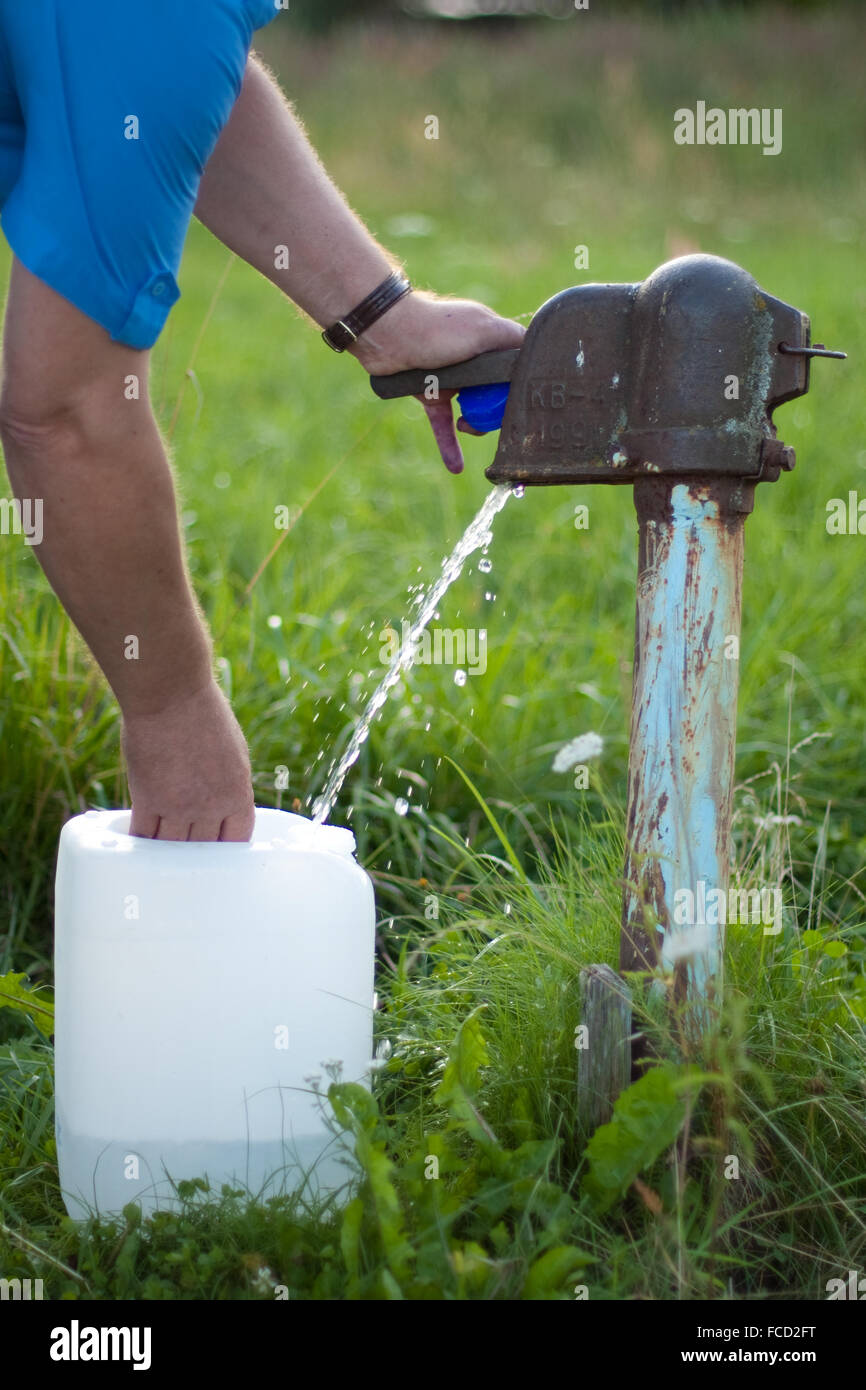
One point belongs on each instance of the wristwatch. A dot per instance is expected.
(346, 330)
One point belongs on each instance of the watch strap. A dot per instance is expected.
(346, 330)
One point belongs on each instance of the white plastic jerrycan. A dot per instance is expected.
(199, 988)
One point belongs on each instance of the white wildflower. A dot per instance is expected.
(578, 751)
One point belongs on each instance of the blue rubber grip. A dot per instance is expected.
(483, 407)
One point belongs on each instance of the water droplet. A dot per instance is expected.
(485, 566)
(275, 620)
(507, 909)
(518, 490)
(489, 596)
(222, 480)
(401, 806)
(459, 677)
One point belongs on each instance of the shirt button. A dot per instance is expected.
(160, 286)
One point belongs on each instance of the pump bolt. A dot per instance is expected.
(775, 454)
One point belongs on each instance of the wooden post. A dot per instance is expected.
(604, 1051)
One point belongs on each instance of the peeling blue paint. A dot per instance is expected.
(684, 721)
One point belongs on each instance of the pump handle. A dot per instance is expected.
(484, 370)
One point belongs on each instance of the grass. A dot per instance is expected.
(551, 135)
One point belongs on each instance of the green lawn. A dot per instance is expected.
(551, 135)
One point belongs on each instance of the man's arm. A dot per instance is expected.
(112, 551)
(264, 187)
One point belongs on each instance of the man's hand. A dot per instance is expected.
(189, 771)
(423, 331)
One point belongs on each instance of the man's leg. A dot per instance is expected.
(78, 433)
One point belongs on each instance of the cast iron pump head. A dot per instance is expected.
(677, 375)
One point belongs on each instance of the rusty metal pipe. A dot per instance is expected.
(683, 727)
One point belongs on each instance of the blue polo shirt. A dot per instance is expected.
(109, 111)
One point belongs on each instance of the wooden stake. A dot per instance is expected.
(604, 1053)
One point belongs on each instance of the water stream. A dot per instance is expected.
(476, 535)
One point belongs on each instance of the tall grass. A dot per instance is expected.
(761, 1196)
